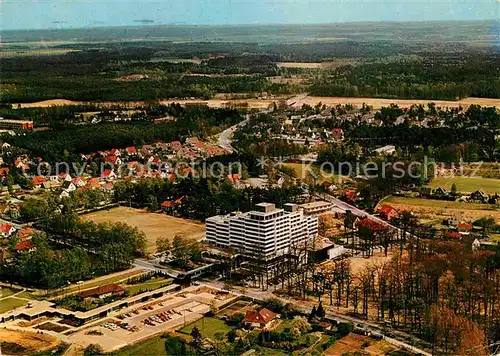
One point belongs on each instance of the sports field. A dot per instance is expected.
(154, 225)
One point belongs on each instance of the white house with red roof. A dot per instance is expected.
(109, 175)
(131, 150)
(25, 246)
(115, 152)
(7, 230)
(261, 319)
(113, 159)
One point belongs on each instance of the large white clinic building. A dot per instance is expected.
(265, 233)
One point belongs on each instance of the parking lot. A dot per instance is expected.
(139, 322)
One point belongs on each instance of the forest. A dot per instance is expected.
(202, 197)
(429, 76)
(70, 249)
(160, 70)
(65, 143)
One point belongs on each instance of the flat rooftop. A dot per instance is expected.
(315, 204)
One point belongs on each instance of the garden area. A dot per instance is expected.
(209, 327)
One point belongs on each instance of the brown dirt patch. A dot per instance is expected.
(29, 340)
(152, 224)
(355, 342)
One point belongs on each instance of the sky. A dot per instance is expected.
(46, 14)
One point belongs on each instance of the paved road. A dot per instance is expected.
(226, 136)
(361, 213)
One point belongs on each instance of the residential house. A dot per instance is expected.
(25, 233)
(50, 185)
(115, 152)
(79, 182)
(68, 186)
(109, 175)
(65, 177)
(38, 181)
(453, 235)
(115, 160)
(93, 183)
(440, 193)
(261, 319)
(24, 246)
(107, 187)
(233, 178)
(7, 230)
(338, 134)
(386, 150)
(131, 151)
(388, 212)
(478, 196)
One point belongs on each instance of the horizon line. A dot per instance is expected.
(269, 24)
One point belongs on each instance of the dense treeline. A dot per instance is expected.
(73, 249)
(445, 77)
(139, 71)
(202, 197)
(103, 75)
(469, 135)
(442, 291)
(68, 141)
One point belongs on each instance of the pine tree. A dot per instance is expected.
(320, 312)
(313, 313)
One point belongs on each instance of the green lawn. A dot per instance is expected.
(208, 327)
(467, 185)
(6, 291)
(443, 204)
(102, 282)
(154, 346)
(11, 303)
(152, 284)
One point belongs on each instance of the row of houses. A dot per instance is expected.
(477, 196)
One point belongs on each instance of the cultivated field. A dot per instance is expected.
(467, 184)
(430, 210)
(152, 224)
(264, 103)
(29, 340)
(317, 65)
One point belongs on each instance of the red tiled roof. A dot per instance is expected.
(112, 159)
(38, 180)
(464, 227)
(96, 292)
(107, 172)
(93, 182)
(5, 228)
(167, 204)
(24, 233)
(452, 235)
(262, 316)
(24, 245)
(131, 150)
